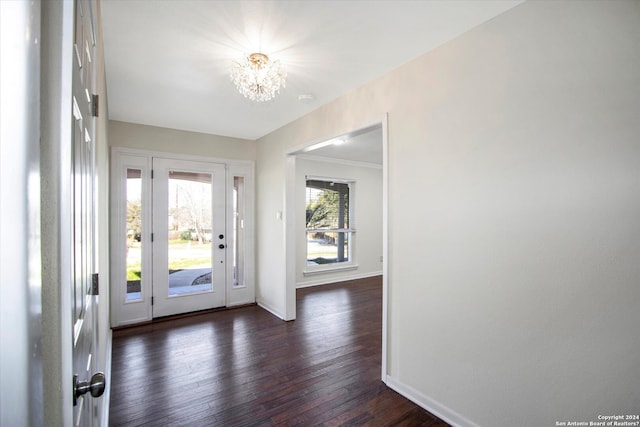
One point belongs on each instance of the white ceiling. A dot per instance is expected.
(361, 146)
(167, 61)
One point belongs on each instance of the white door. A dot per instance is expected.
(84, 303)
(189, 241)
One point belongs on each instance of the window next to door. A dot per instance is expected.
(330, 231)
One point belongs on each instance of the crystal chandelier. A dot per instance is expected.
(258, 78)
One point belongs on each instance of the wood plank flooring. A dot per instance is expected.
(245, 367)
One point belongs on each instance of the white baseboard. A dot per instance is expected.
(270, 309)
(434, 407)
(328, 281)
(106, 396)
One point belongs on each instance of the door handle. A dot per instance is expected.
(95, 386)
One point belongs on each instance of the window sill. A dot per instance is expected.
(328, 269)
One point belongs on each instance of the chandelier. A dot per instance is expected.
(257, 77)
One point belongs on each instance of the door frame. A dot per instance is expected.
(21, 367)
(290, 236)
(140, 311)
(58, 33)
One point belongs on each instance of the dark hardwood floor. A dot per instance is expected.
(245, 367)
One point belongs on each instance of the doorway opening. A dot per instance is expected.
(344, 159)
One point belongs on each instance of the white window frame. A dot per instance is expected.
(350, 230)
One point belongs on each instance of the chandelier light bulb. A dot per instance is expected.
(257, 77)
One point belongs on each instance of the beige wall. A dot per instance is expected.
(270, 230)
(153, 138)
(514, 215)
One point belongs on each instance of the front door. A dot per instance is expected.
(189, 242)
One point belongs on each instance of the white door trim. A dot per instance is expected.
(21, 364)
(56, 136)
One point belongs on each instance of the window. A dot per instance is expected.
(134, 233)
(329, 223)
(237, 239)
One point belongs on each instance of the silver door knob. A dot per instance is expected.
(95, 386)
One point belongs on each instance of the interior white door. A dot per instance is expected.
(189, 242)
(84, 304)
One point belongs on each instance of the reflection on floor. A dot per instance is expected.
(245, 367)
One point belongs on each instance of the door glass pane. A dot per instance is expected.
(238, 231)
(134, 233)
(190, 219)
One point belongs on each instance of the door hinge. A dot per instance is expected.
(151, 300)
(95, 284)
(95, 99)
(151, 237)
(151, 173)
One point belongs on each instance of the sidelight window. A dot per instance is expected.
(134, 233)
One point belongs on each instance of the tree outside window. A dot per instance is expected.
(327, 221)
